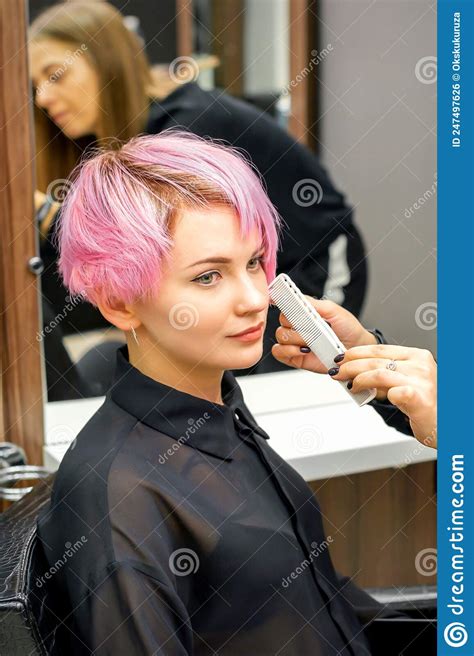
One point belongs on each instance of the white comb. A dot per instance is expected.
(309, 324)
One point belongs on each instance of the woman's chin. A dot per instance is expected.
(248, 358)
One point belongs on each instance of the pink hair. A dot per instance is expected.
(115, 228)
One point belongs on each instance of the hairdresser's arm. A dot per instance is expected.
(411, 388)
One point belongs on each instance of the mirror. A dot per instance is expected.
(311, 67)
(223, 42)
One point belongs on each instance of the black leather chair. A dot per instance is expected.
(28, 619)
(30, 616)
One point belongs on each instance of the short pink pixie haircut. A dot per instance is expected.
(115, 227)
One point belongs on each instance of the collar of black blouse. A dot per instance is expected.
(199, 423)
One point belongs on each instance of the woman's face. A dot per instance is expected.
(200, 307)
(66, 85)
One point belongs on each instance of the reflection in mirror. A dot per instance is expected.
(87, 90)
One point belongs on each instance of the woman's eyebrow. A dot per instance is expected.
(51, 63)
(219, 260)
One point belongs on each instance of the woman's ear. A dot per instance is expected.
(119, 314)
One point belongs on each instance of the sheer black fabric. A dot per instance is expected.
(175, 528)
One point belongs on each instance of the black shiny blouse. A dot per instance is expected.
(174, 528)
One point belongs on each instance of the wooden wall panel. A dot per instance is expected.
(228, 44)
(380, 521)
(21, 383)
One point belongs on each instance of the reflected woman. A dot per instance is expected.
(93, 85)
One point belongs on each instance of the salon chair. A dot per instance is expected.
(29, 615)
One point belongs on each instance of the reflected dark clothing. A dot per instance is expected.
(190, 534)
(310, 228)
(64, 380)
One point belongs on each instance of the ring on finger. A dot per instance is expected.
(392, 365)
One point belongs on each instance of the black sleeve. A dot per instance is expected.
(131, 611)
(392, 416)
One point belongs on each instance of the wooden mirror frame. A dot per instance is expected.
(22, 384)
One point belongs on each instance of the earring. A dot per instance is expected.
(134, 334)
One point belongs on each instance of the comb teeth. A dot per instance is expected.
(284, 293)
(307, 321)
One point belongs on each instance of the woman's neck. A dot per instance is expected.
(184, 377)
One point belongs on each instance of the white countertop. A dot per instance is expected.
(312, 423)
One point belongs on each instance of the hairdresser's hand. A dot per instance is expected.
(411, 387)
(349, 330)
(39, 199)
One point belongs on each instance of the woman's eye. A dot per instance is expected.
(57, 75)
(206, 278)
(259, 260)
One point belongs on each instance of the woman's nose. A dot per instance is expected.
(44, 95)
(251, 296)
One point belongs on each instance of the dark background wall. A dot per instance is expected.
(157, 24)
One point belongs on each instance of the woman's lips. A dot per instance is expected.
(60, 117)
(251, 336)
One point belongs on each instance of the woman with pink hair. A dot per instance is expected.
(185, 532)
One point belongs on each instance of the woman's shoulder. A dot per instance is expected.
(113, 453)
(105, 488)
(100, 438)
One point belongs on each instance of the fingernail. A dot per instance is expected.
(339, 358)
(328, 323)
(349, 385)
(305, 349)
(333, 371)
